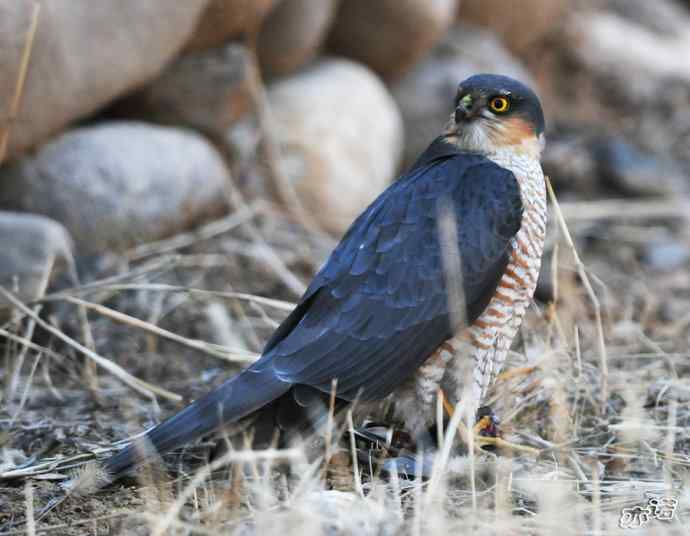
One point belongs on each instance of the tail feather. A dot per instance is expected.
(236, 398)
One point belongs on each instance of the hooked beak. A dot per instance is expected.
(466, 109)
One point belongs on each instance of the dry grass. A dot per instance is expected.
(21, 78)
(604, 400)
(602, 443)
(602, 408)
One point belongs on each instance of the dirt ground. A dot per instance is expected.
(598, 453)
(594, 407)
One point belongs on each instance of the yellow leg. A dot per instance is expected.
(482, 424)
(450, 410)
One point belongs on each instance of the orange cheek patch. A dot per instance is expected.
(515, 131)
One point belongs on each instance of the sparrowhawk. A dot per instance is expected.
(377, 317)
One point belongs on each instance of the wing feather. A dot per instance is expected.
(379, 306)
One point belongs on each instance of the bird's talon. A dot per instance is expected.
(450, 409)
(486, 427)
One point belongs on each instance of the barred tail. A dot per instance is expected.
(238, 397)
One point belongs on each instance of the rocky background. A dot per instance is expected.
(134, 117)
(227, 144)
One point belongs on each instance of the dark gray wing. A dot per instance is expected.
(379, 307)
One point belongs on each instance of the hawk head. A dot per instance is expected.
(495, 113)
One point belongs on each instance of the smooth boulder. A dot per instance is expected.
(119, 184)
(223, 20)
(637, 48)
(390, 36)
(519, 24)
(292, 34)
(341, 135)
(84, 55)
(207, 90)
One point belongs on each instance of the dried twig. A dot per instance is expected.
(353, 450)
(31, 325)
(227, 354)
(28, 335)
(279, 181)
(582, 272)
(21, 78)
(158, 287)
(138, 385)
(30, 344)
(158, 265)
(670, 442)
(330, 423)
(625, 209)
(271, 258)
(54, 529)
(25, 394)
(205, 232)
(168, 517)
(30, 521)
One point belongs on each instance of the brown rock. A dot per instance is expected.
(292, 34)
(227, 19)
(85, 53)
(119, 184)
(390, 36)
(425, 95)
(341, 134)
(518, 24)
(206, 90)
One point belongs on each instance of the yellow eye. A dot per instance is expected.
(500, 105)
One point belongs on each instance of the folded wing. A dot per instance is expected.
(379, 306)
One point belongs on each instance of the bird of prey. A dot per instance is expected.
(378, 317)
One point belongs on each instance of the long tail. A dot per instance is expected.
(238, 397)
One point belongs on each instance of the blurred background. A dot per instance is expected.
(124, 122)
(163, 164)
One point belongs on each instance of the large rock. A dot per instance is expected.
(85, 53)
(640, 48)
(226, 19)
(119, 184)
(666, 255)
(390, 36)
(425, 95)
(570, 163)
(292, 34)
(32, 247)
(519, 24)
(627, 67)
(207, 90)
(635, 172)
(589, 162)
(342, 138)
